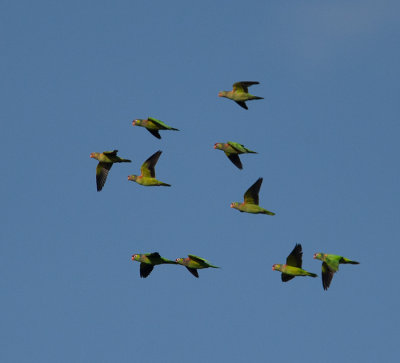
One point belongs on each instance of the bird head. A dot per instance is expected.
(222, 94)
(276, 267)
(179, 260)
(94, 155)
(318, 256)
(234, 204)
(136, 122)
(132, 177)
(135, 257)
(218, 145)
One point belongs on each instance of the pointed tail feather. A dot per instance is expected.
(268, 212)
(346, 260)
(312, 275)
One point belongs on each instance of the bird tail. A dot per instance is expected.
(312, 275)
(268, 212)
(125, 161)
(174, 129)
(346, 260)
(164, 184)
(256, 98)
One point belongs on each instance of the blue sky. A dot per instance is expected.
(75, 75)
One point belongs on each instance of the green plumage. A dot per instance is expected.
(148, 173)
(293, 265)
(153, 126)
(106, 160)
(148, 261)
(193, 263)
(232, 151)
(240, 93)
(330, 264)
(250, 204)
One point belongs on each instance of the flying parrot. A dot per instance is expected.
(106, 160)
(292, 268)
(147, 175)
(250, 204)
(330, 264)
(232, 151)
(240, 94)
(153, 126)
(148, 261)
(193, 263)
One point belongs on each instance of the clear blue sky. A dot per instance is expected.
(73, 77)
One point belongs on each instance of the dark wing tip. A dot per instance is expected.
(193, 271)
(242, 104)
(154, 133)
(145, 269)
(234, 158)
(286, 277)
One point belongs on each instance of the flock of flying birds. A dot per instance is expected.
(147, 177)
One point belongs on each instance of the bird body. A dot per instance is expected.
(250, 204)
(106, 160)
(232, 150)
(148, 173)
(293, 265)
(193, 263)
(293, 271)
(153, 126)
(149, 260)
(240, 93)
(330, 265)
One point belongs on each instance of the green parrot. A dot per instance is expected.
(147, 175)
(293, 264)
(232, 151)
(193, 263)
(148, 261)
(153, 126)
(240, 94)
(250, 204)
(106, 160)
(330, 264)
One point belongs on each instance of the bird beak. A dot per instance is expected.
(315, 255)
(273, 268)
(133, 123)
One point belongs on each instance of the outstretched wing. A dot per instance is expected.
(286, 277)
(327, 275)
(295, 257)
(198, 259)
(235, 160)
(102, 170)
(159, 123)
(251, 195)
(145, 269)
(193, 271)
(111, 153)
(154, 133)
(243, 86)
(147, 169)
(242, 104)
(238, 147)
